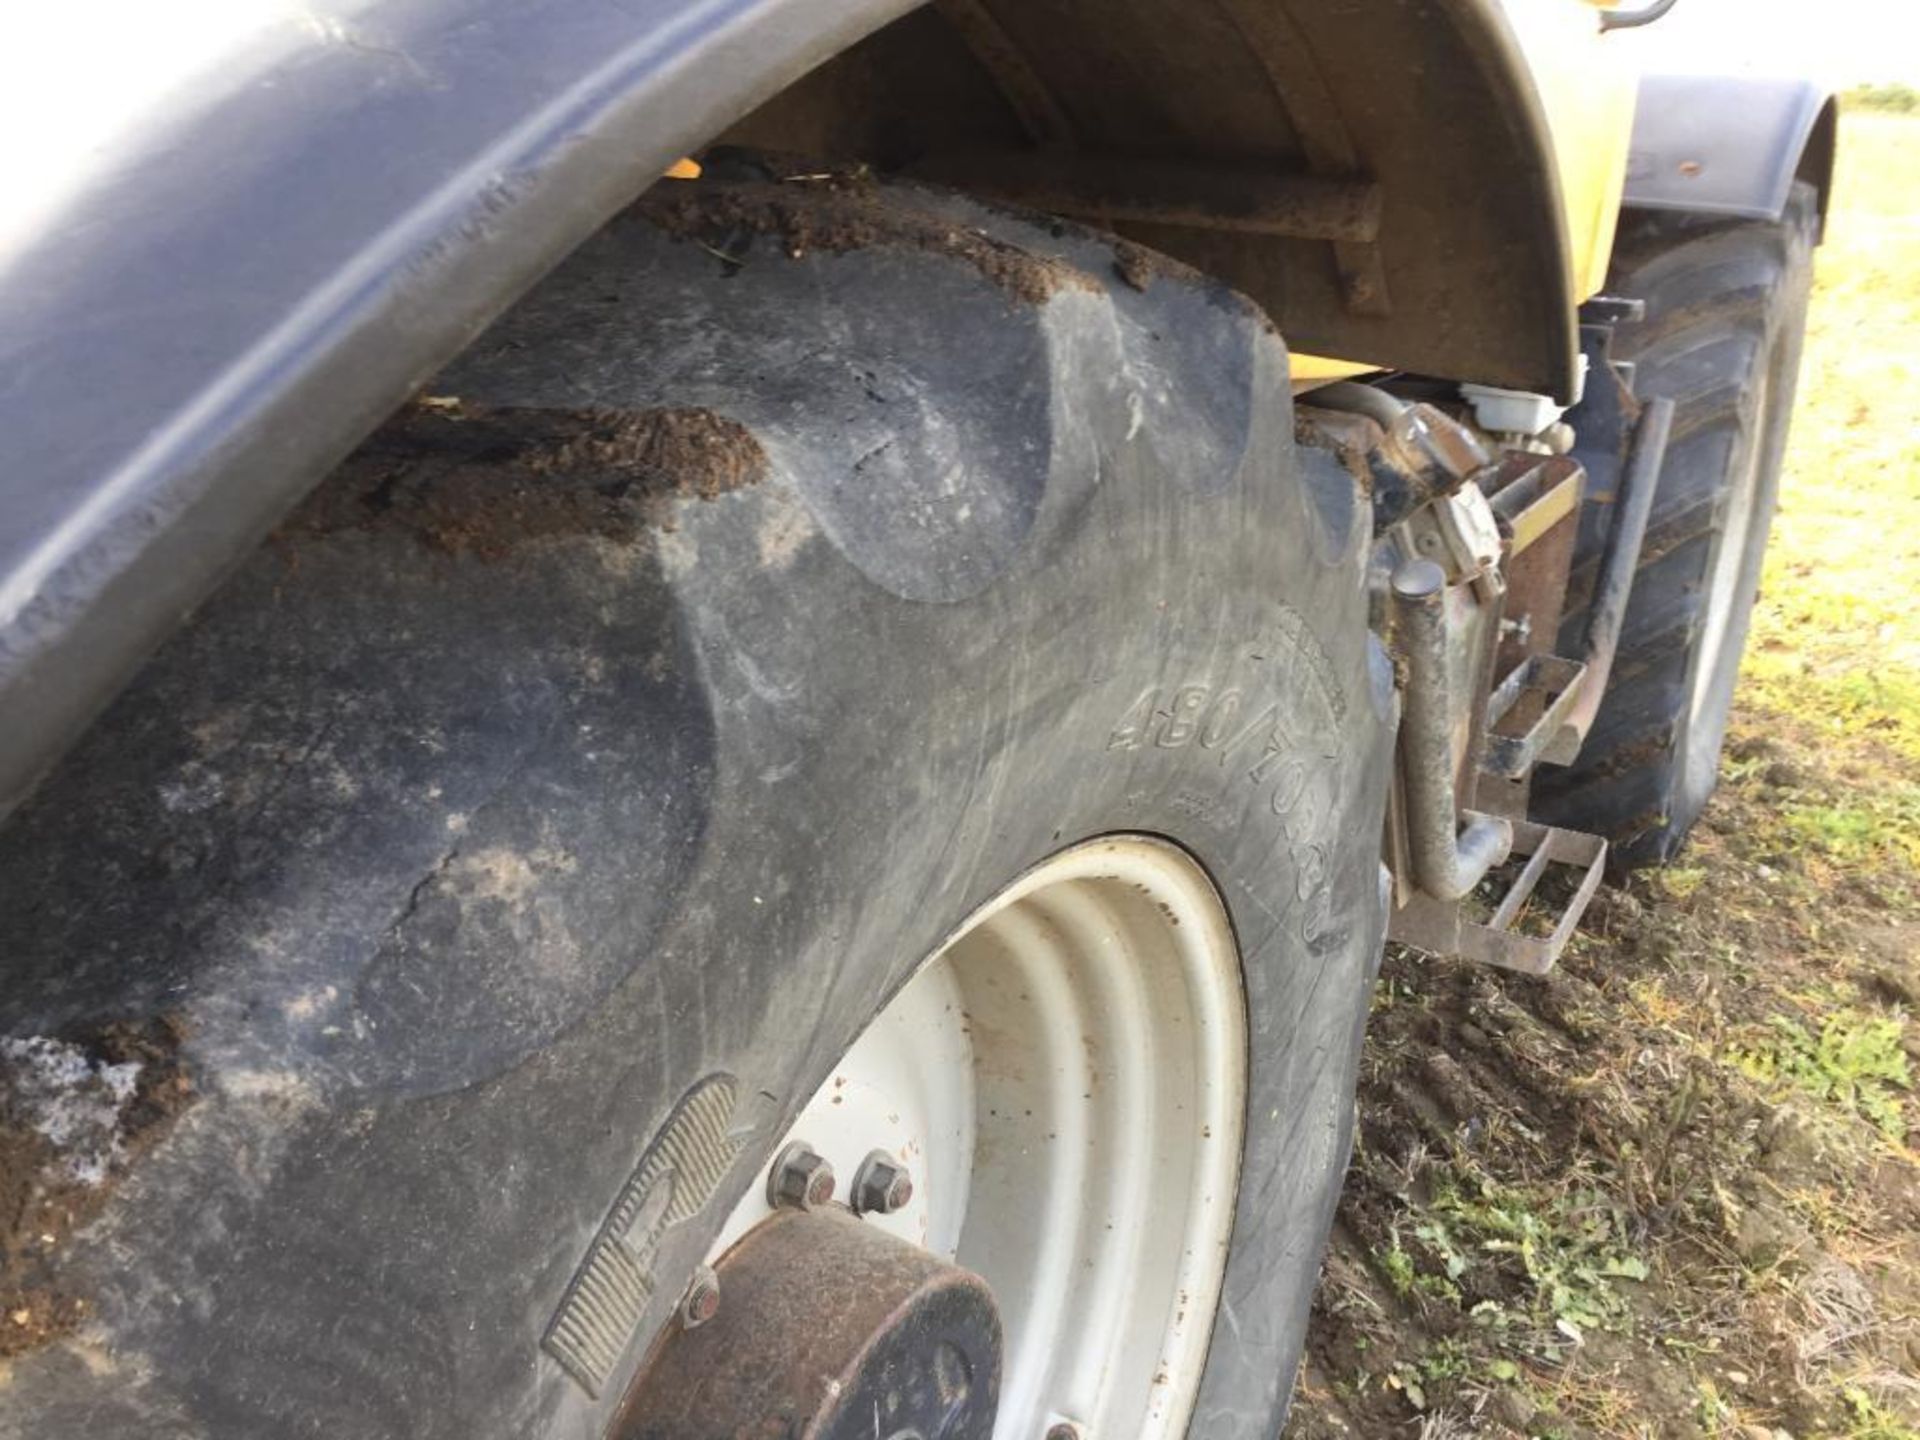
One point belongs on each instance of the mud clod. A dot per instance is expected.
(76, 1113)
(471, 480)
(1140, 266)
(838, 214)
(1134, 265)
(680, 452)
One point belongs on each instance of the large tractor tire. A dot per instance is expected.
(835, 665)
(1726, 310)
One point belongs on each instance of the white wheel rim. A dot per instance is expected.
(1729, 565)
(1066, 1080)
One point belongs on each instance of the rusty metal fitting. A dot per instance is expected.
(1421, 454)
(702, 1300)
(881, 1185)
(827, 1321)
(801, 1179)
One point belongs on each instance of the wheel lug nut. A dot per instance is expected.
(702, 1300)
(881, 1185)
(801, 1179)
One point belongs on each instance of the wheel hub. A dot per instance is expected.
(828, 1329)
(1045, 1123)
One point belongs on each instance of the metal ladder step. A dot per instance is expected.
(1444, 928)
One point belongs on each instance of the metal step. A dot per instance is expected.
(1444, 928)
(1527, 712)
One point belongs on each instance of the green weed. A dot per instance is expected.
(1894, 99)
(1443, 1362)
(1716, 1416)
(1446, 1360)
(1867, 1420)
(1397, 1265)
(1856, 1063)
(1681, 881)
(1570, 1250)
(1870, 828)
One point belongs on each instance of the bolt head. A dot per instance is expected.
(881, 1185)
(702, 1300)
(801, 1179)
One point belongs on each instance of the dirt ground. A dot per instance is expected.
(1672, 1190)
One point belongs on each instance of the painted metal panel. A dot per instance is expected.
(1721, 144)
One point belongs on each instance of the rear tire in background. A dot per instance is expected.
(574, 778)
(1726, 311)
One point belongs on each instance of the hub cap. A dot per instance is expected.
(829, 1329)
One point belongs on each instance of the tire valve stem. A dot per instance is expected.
(702, 1300)
(801, 1179)
(881, 1185)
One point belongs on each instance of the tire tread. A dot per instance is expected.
(1720, 297)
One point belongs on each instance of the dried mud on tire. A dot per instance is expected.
(76, 1112)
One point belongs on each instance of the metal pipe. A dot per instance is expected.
(1246, 198)
(1639, 482)
(1631, 19)
(1368, 400)
(1424, 452)
(1449, 858)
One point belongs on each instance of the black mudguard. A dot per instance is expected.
(1730, 145)
(233, 294)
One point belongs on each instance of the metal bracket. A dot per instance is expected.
(1607, 614)
(1442, 928)
(1539, 693)
(1247, 198)
(1613, 310)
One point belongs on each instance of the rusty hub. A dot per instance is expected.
(830, 1329)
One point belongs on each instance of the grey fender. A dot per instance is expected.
(1729, 145)
(231, 290)
(244, 285)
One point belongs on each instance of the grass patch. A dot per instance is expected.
(1868, 829)
(1856, 1063)
(1869, 1421)
(1891, 99)
(1833, 642)
(1570, 1252)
